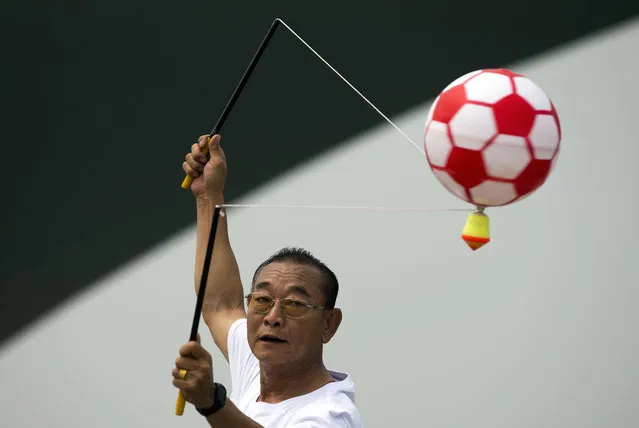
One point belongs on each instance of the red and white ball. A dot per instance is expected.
(492, 137)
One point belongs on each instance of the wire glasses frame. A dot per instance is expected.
(261, 303)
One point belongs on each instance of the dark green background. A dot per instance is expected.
(101, 103)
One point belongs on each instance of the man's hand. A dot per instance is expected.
(197, 384)
(209, 175)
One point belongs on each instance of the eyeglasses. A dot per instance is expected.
(291, 308)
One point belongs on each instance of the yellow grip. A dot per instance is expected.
(186, 183)
(181, 401)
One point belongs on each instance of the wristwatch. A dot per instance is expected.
(219, 400)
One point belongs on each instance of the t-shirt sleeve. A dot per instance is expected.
(244, 367)
(327, 415)
(339, 421)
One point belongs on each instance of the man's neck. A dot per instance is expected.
(281, 382)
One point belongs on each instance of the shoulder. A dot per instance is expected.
(244, 367)
(324, 415)
(237, 327)
(334, 407)
(219, 324)
(237, 342)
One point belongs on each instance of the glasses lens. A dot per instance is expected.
(291, 308)
(261, 303)
(294, 308)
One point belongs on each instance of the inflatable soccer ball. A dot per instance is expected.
(492, 137)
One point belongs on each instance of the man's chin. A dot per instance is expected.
(272, 353)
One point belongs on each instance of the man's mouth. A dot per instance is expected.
(271, 339)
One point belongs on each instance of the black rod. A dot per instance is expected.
(216, 213)
(205, 274)
(186, 183)
(247, 74)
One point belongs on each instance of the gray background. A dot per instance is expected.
(536, 329)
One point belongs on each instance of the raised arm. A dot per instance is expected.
(223, 301)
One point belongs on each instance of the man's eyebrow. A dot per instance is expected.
(261, 285)
(300, 289)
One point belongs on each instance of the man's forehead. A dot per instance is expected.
(288, 275)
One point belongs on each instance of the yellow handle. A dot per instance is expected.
(186, 183)
(181, 401)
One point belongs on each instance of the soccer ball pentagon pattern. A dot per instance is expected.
(492, 137)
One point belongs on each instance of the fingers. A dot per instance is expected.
(208, 144)
(203, 143)
(195, 161)
(192, 167)
(193, 374)
(189, 370)
(183, 380)
(198, 154)
(189, 373)
(214, 143)
(179, 373)
(188, 364)
(195, 350)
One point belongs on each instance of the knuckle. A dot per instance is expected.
(186, 167)
(194, 162)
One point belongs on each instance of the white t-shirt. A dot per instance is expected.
(332, 405)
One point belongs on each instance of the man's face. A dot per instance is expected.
(300, 339)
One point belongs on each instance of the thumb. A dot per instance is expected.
(214, 143)
(198, 339)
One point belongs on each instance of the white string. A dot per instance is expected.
(344, 207)
(353, 87)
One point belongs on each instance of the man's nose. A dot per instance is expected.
(274, 316)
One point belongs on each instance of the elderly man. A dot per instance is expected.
(274, 348)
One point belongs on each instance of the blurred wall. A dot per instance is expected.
(101, 101)
(535, 329)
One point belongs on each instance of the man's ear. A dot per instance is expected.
(332, 321)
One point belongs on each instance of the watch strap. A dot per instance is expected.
(219, 400)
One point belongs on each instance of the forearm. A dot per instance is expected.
(224, 286)
(231, 417)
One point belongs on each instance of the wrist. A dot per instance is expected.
(218, 401)
(209, 202)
